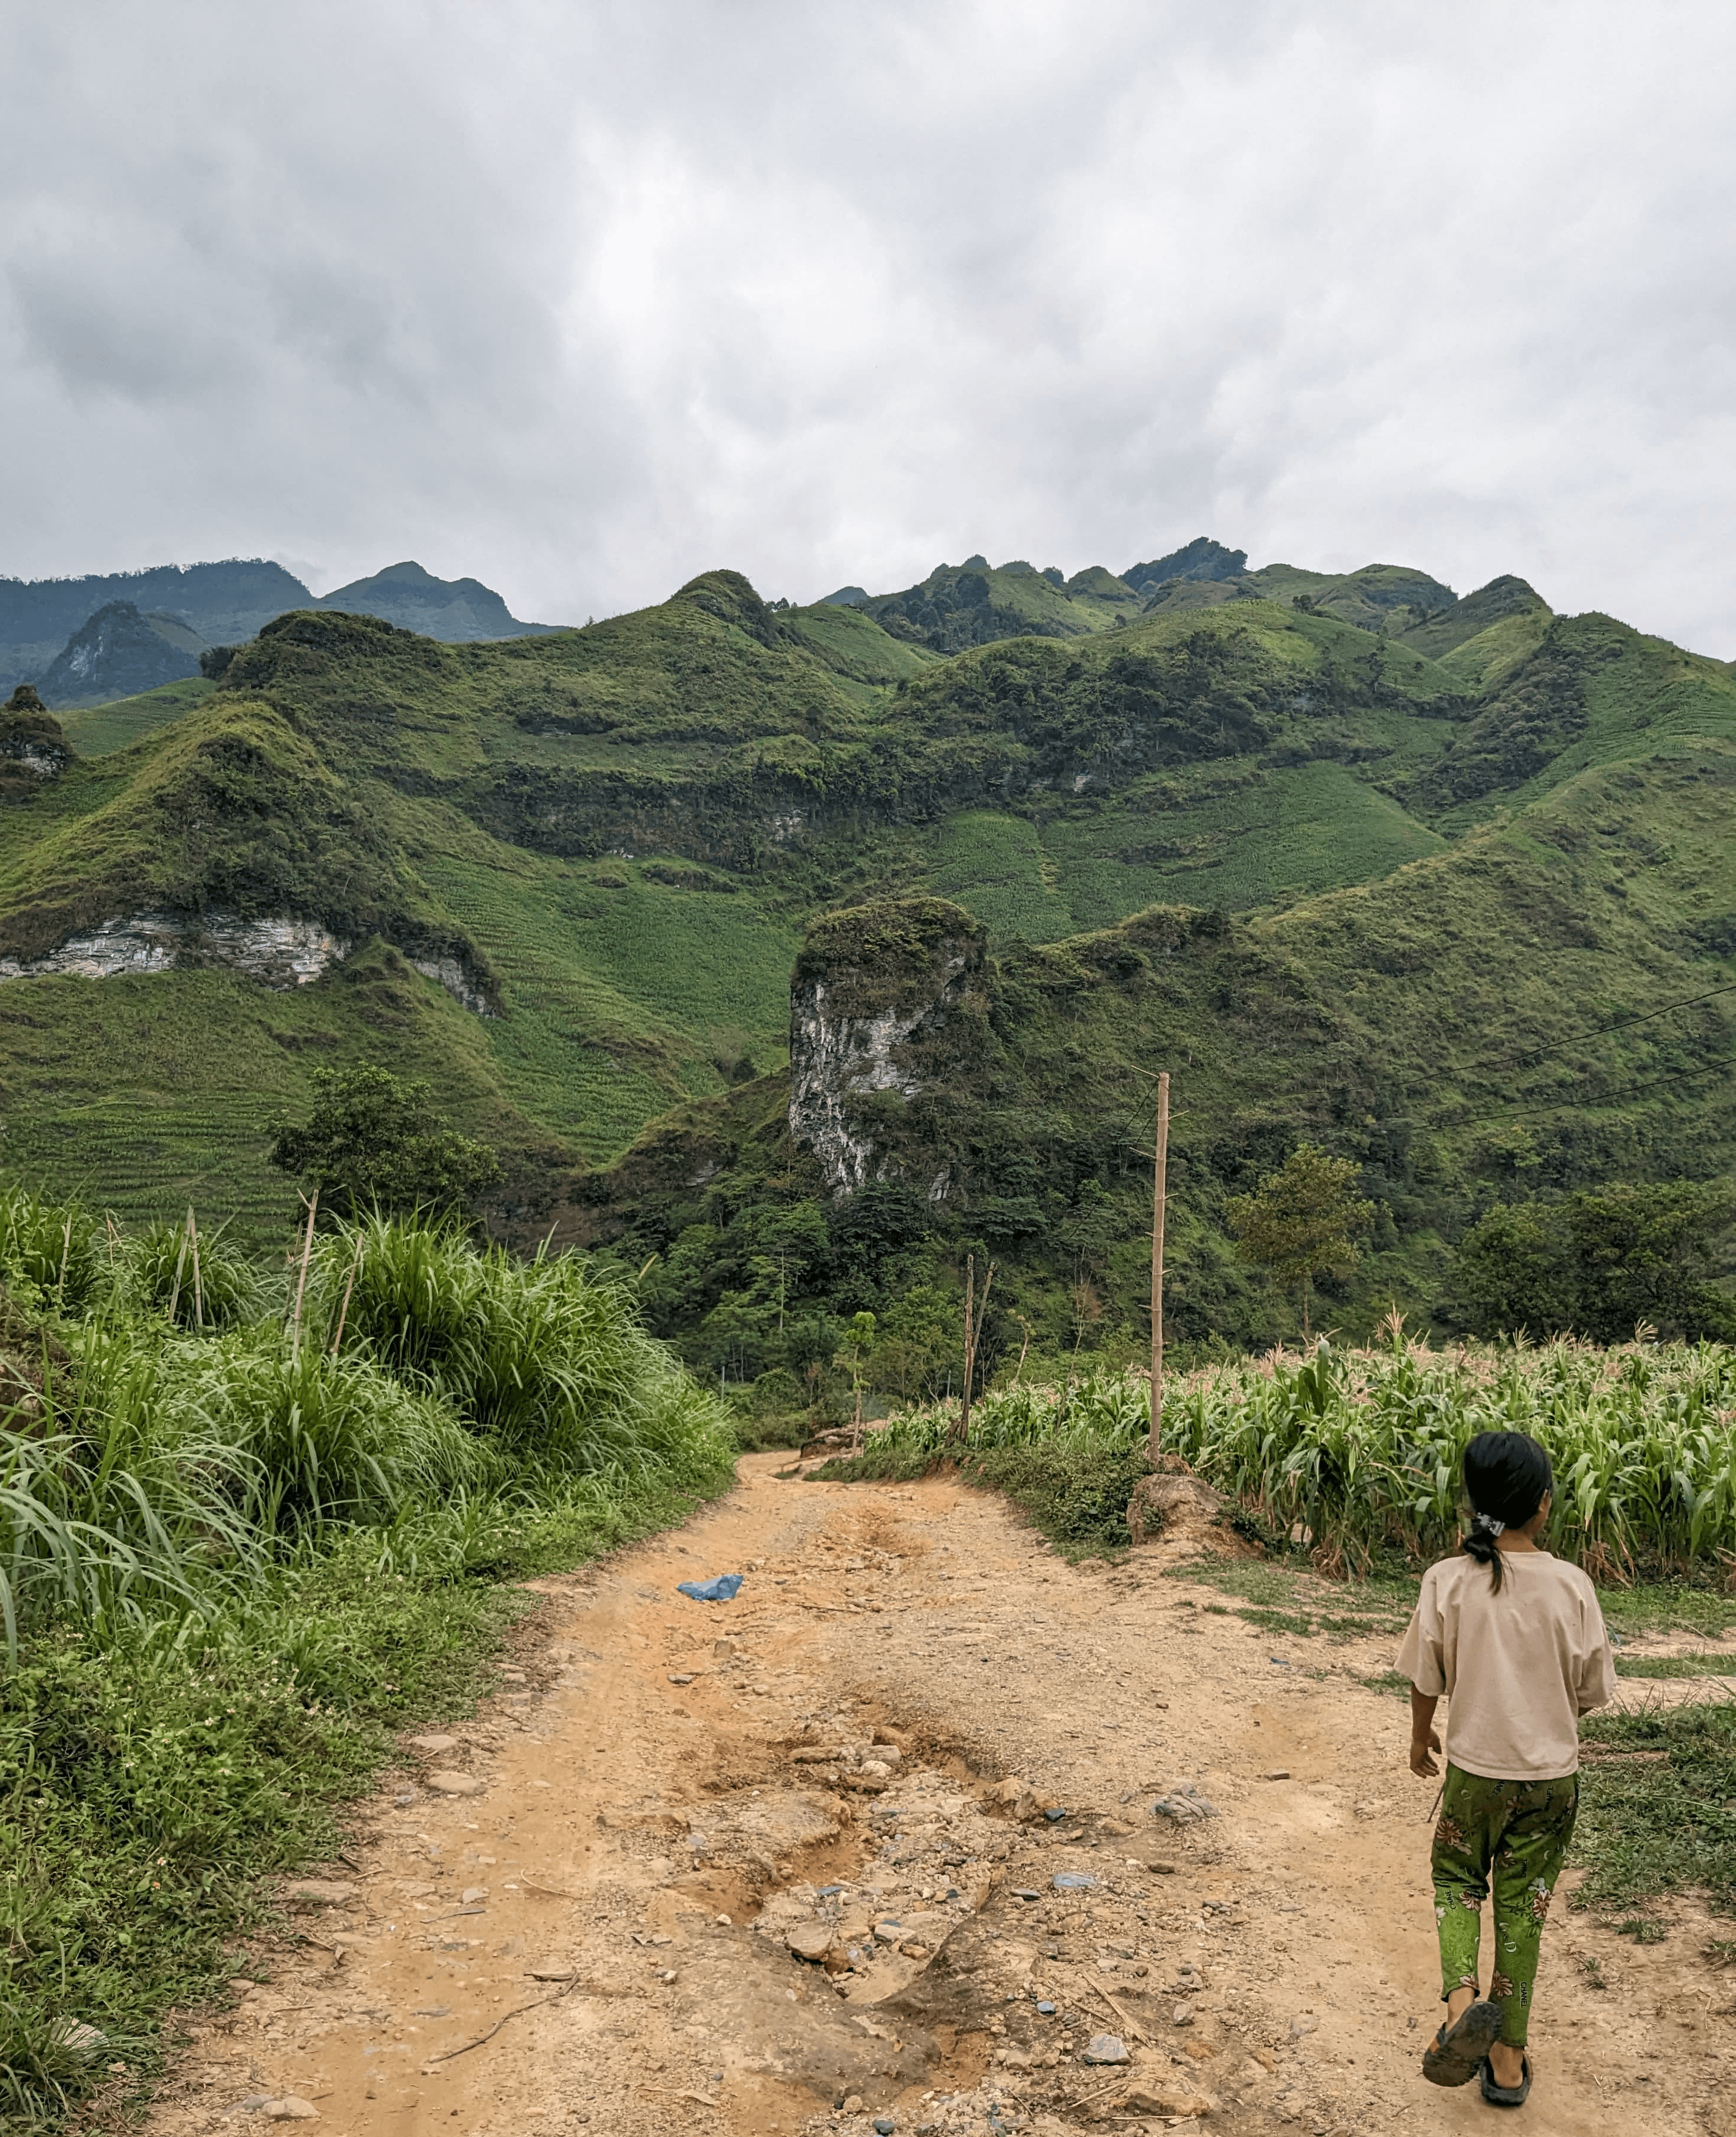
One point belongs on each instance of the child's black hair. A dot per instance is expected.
(1507, 1474)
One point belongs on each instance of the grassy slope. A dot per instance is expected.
(621, 831)
(1395, 1022)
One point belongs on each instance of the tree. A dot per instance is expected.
(1300, 1219)
(1599, 1262)
(376, 1140)
(858, 1344)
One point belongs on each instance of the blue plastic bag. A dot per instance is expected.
(723, 1589)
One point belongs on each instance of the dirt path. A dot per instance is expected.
(645, 1799)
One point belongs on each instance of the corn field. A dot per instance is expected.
(1357, 1454)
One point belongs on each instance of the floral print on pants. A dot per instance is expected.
(1515, 1834)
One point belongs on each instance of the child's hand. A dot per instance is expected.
(1422, 1752)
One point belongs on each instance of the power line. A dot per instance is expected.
(1626, 1091)
(1622, 1024)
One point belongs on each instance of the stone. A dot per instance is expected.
(434, 1746)
(681, 1677)
(1154, 2097)
(1182, 2015)
(1106, 2048)
(1298, 2027)
(79, 2039)
(1014, 1798)
(454, 1784)
(473, 1893)
(290, 2108)
(1277, 1773)
(1184, 1804)
(812, 1941)
(1114, 1828)
(318, 1892)
(875, 1769)
(853, 2105)
(553, 1970)
(1265, 2059)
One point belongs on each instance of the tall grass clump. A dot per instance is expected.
(545, 1360)
(50, 1250)
(196, 1282)
(244, 1531)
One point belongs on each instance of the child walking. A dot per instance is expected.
(1515, 1639)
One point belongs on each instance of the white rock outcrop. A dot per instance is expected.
(279, 953)
(832, 1059)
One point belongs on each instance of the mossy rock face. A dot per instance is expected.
(889, 953)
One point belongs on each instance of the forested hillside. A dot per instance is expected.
(1357, 860)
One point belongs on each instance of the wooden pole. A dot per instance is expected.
(1160, 1192)
(343, 1310)
(970, 1347)
(193, 1234)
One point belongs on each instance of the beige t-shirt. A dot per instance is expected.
(1519, 1668)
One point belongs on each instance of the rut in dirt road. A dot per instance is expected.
(875, 1843)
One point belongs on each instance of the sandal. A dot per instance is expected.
(1506, 2095)
(1455, 2058)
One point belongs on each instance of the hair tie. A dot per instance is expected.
(1489, 1523)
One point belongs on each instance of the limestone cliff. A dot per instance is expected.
(882, 995)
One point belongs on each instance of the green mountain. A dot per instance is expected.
(1344, 852)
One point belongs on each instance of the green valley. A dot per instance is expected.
(1359, 861)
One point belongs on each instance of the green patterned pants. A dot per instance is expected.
(1516, 1833)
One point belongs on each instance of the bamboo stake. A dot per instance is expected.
(964, 1429)
(65, 1257)
(307, 1250)
(174, 1296)
(1160, 1195)
(343, 1310)
(192, 1233)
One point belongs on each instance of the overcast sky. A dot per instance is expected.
(584, 299)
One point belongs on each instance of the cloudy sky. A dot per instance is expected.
(585, 298)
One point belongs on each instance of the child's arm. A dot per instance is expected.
(1425, 1737)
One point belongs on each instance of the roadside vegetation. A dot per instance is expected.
(249, 1525)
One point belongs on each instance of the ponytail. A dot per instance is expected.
(1506, 1475)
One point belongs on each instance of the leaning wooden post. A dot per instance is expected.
(1160, 1188)
(192, 1236)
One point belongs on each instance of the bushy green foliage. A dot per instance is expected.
(1598, 1264)
(1302, 1218)
(376, 1141)
(544, 1359)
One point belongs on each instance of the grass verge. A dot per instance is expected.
(1658, 1812)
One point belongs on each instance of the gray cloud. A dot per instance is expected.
(582, 299)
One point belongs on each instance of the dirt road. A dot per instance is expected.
(658, 1816)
